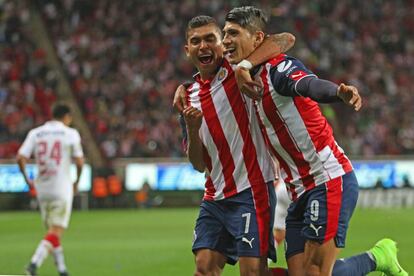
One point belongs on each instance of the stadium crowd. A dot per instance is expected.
(124, 60)
(27, 85)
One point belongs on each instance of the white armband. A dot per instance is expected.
(245, 64)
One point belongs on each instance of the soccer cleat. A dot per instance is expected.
(385, 254)
(64, 273)
(31, 269)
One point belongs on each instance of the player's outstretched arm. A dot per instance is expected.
(271, 46)
(21, 161)
(324, 91)
(193, 118)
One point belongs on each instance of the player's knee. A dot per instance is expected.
(205, 266)
(279, 235)
(251, 270)
(56, 230)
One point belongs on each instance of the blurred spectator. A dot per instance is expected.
(142, 197)
(100, 191)
(115, 189)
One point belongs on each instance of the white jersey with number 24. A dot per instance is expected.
(53, 145)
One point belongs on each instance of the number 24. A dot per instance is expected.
(55, 153)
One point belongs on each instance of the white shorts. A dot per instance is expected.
(282, 205)
(56, 211)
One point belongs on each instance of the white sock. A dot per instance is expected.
(59, 258)
(41, 252)
(371, 256)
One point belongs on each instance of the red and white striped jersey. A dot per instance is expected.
(234, 148)
(297, 133)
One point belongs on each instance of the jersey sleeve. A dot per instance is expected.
(28, 145)
(286, 75)
(76, 144)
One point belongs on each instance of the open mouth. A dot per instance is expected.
(205, 58)
(230, 50)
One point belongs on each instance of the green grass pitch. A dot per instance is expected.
(158, 241)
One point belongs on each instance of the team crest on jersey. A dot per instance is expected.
(284, 65)
(222, 74)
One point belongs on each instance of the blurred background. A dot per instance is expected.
(117, 63)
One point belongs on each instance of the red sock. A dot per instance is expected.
(53, 239)
(278, 271)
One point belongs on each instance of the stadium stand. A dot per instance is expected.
(27, 84)
(124, 60)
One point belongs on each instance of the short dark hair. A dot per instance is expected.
(199, 21)
(60, 110)
(248, 17)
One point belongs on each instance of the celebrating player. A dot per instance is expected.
(319, 176)
(53, 145)
(224, 139)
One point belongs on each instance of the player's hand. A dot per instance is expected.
(247, 86)
(349, 94)
(179, 101)
(193, 118)
(30, 182)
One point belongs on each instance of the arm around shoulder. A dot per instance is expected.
(272, 46)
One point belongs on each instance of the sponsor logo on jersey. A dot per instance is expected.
(297, 75)
(284, 65)
(290, 70)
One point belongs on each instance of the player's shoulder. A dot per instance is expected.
(283, 62)
(61, 128)
(36, 130)
(72, 131)
(287, 67)
(72, 135)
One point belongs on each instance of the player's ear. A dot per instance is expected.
(259, 37)
(187, 51)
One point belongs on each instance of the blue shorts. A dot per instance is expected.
(321, 214)
(235, 227)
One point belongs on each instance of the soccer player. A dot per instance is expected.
(286, 135)
(225, 141)
(53, 144)
(320, 177)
